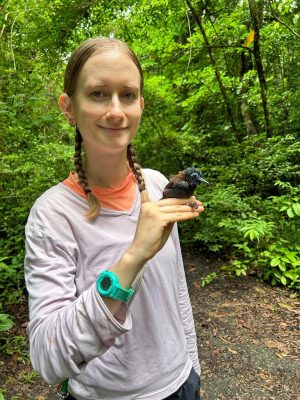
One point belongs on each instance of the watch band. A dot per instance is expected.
(108, 286)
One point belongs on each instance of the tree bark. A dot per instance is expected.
(256, 16)
(214, 65)
(246, 66)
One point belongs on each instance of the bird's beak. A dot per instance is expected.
(203, 180)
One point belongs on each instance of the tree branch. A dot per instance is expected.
(281, 22)
(235, 46)
(222, 87)
(284, 24)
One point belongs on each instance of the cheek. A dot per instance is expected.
(136, 114)
(88, 109)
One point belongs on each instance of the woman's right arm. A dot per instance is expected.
(65, 331)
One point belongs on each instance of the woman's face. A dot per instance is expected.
(107, 103)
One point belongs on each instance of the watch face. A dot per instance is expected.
(106, 283)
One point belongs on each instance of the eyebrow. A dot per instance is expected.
(100, 85)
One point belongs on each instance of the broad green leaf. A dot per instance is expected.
(290, 213)
(296, 208)
(293, 277)
(283, 280)
(275, 262)
(277, 274)
(5, 322)
(282, 266)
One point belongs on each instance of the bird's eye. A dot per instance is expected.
(194, 175)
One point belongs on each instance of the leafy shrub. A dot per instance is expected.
(271, 247)
(280, 264)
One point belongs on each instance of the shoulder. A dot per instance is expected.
(155, 176)
(54, 206)
(155, 182)
(52, 199)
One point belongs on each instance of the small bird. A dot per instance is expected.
(183, 185)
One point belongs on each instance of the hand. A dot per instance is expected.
(155, 223)
(154, 226)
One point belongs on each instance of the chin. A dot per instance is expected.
(116, 148)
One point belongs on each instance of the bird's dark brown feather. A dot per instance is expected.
(183, 185)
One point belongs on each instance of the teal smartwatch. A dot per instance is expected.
(108, 286)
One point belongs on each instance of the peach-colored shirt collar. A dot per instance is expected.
(120, 199)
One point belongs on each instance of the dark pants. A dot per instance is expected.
(188, 391)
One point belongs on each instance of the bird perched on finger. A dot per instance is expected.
(183, 185)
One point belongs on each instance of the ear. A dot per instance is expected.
(142, 103)
(66, 108)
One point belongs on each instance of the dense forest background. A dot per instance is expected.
(222, 94)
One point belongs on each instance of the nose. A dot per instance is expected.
(115, 109)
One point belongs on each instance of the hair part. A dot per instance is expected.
(92, 46)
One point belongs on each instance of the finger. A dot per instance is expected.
(182, 216)
(181, 208)
(175, 201)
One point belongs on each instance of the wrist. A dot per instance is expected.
(135, 256)
(131, 262)
(127, 268)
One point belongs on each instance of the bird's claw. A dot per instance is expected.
(193, 204)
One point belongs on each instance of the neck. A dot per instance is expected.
(109, 171)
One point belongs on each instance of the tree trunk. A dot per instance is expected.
(214, 65)
(256, 16)
(246, 66)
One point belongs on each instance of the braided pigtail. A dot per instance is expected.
(93, 202)
(136, 169)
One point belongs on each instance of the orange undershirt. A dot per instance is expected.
(120, 199)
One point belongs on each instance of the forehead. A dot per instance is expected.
(110, 67)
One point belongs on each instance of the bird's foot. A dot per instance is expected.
(193, 204)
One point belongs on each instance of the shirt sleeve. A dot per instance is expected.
(185, 306)
(65, 331)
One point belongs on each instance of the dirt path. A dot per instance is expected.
(248, 336)
(248, 339)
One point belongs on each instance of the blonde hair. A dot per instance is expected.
(76, 62)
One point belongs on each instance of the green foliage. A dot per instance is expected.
(280, 264)
(18, 345)
(236, 267)
(289, 203)
(5, 322)
(28, 377)
(11, 284)
(272, 246)
(257, 228)
(209, 278)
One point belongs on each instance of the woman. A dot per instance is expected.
(108, 300)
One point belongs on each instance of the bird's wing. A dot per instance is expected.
(177, 189)
(177, 181)
(183, 185)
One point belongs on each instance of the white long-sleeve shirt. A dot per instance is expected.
(146, 350)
